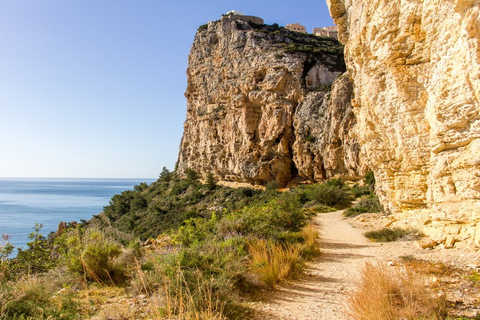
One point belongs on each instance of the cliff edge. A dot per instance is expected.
(416, 71)
(267, 104)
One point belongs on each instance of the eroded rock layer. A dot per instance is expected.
(258, 98)
(416, 71)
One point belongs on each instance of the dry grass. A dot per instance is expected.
(310, 235)
(389, 293)
(175, 299)
(190, 304)
(310, 247)
(273, 262)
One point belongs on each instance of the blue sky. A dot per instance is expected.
(94, 88)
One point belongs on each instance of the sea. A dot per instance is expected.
(25, 202)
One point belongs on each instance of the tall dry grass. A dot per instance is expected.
(177, 299)
(273, 262)
(310, 235)
(390, 293)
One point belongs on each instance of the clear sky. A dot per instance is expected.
(94, 88)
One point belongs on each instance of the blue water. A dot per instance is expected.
(24, 202)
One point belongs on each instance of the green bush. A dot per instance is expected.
(358, 191)
(330, 194)
(37, 258)
(369, 178)
(272, 220)
(211, 182)
(90, 253)
(192, 176)
(353, 212)
(333, 193)
(369, 204)
(272, 185)
(387, 234)
(202, 27)
(196, 230)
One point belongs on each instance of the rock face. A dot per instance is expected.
(416, 71)
(325, 139)
(260, 106)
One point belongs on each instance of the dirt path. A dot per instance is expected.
(321, 294)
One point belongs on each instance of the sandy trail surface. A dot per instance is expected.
(321, 294)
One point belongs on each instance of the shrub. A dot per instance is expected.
(6, 248)
(270, 220)
(192, 176)
(92, 254)
(211, 182)
(313, 208)
(202, 27)
(366, 204)
(195, 230)
(353, 212)
(358, 191)
(370, 203)
(36, 258)
(387, 234)
(369, 178)
(272, 185)
(28, 299)
(389, 294)
(330, 194)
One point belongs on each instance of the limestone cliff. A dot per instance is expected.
(261, 107)
(416, 71)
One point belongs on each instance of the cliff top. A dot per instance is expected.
(286, 40)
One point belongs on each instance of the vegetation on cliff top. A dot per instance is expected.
(325, 49)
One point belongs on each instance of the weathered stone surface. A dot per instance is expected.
(325, 139)
(416, 71)
(252, 94)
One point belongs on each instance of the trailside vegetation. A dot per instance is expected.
(178, 248)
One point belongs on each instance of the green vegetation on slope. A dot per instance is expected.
(208, 248)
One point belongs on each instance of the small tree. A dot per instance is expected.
(165, 175)
(369, 178)
(192, 176)
(211, 183)
(6, 248)
(37, 257)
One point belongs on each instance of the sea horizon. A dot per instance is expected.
(26, 201)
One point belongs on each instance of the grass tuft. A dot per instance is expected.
(390, 294)
(273, 262)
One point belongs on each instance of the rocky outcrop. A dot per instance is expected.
(416, 71)
(260, 107)
(325, 139)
